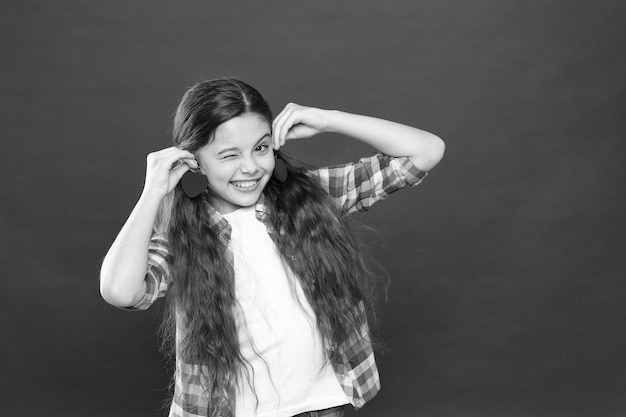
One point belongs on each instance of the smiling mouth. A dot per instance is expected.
(245, 185)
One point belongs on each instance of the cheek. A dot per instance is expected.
(269, 163)
(216, 174)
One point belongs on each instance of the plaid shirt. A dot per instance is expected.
(354, 187)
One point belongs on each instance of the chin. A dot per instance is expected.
(247, 200)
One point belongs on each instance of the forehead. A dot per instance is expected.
(244, 130)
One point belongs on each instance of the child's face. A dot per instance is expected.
(238, 162)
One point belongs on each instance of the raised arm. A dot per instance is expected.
(123, 272)
(424, 149)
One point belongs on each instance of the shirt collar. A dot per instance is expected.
(218, 223)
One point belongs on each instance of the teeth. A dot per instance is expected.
(244, 184)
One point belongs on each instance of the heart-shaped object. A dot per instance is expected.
(194, 184)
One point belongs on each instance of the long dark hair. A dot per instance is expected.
(313, 237)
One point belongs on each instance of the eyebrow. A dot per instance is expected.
(234, 148)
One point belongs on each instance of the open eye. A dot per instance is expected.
(263, 147)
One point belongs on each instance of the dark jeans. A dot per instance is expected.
(329, 412)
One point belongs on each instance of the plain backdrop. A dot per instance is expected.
(507, 264)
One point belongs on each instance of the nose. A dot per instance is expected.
(249, 165)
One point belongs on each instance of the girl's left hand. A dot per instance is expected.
(298, 122)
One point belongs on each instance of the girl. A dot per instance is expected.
(267, 289)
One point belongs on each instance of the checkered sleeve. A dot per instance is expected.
(357, 372)
(157, 275)
(357, 186)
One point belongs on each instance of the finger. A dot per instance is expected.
(282, 113)
(174, 158)
(190, 162)
(278, 126)
(167, 157)
(292, 122)
(183, 154)
(177, 173)
(275, 128)
(296, 132)
(169, 152)
(285, 123)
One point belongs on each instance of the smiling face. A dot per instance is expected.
(238, 162)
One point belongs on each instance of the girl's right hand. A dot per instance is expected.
(165, 168)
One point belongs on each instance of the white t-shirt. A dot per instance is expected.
(277, 331)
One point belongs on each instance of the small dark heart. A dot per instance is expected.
(194, 184)
(280, 171)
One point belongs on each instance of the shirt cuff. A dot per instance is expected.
(148, 297)
(412, 174)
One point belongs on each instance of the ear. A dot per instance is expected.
(199, 170)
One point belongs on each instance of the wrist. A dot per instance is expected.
(333, 124)
(151, 196)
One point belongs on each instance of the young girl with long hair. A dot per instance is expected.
(267, 288)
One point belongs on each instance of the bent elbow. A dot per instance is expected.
(438, 149)
(430, 156)
(115, 295)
